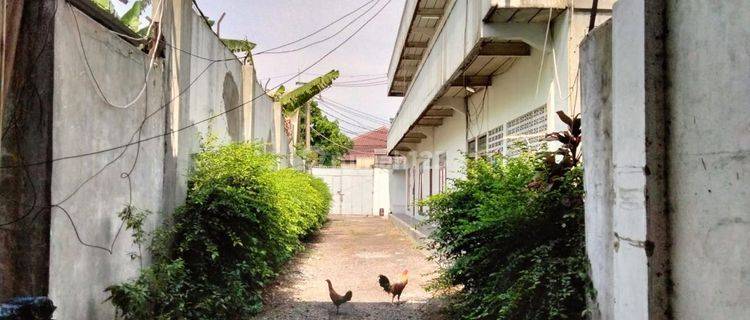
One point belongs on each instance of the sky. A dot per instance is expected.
(270, 23)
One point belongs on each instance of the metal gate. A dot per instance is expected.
(352, 189)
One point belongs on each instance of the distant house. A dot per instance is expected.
(369, 151)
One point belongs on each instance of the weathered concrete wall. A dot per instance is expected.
(596, 102)
(93, 189)
(680, 159)
(208, 91)
(640, 265)
(26, 138)
(709, 157)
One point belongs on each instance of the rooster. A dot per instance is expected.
(397, 288)
(337, 298)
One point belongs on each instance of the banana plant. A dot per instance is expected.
(292, 101)
(131, 18)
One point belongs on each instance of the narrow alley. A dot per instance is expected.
(352, 251)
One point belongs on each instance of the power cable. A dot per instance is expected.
(91, 72)
(326, 38)
(318, 30)
(355, 111)
(351, 121)
(206, 119)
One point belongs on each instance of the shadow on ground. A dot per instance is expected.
(354, 310)
(352, 251)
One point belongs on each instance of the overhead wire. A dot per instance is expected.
(318, 30)
(99, 90)
(205, 119)
(141, 140)
(326, 38)
(352, 110)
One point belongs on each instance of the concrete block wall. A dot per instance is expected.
(75, 245)
(596, 89)
(674, 197)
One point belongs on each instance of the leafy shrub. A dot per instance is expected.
(511, 236)
(241, 222)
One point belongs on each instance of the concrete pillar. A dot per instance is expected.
(596, 89)
(640, 218)
(248, 99)
(177, 29)
(278, 123)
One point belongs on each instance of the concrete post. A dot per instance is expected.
(596, 89)
(640, 218)
(278, 124)
(307, 127)
(247, 97)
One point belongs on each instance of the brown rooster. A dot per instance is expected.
(397, 288)
(337, 298)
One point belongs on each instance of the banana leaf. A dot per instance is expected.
(296, 98)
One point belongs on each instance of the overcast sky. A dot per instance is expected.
(270, 23)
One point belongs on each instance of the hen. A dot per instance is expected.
(337, 298)
(395, 289)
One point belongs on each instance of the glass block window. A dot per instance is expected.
(495, 140)
(471, 148)
(529, 129)
(482, 145)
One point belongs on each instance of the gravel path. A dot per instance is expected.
(352, 252)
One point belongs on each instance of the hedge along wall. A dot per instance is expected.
(242, 221)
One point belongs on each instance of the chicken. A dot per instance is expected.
(336, 298)
(397, 288)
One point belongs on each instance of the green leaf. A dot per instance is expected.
(132, 18)
(105, 4)
(236, 45)
(297, 97)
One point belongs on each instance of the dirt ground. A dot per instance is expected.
(352, 252)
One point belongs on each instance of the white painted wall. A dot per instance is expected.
(511, 95)
(709, 157)
(181, 96)
(82, 122)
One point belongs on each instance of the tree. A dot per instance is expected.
(329, 144)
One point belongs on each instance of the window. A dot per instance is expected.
(495, 140)
(442, 172)
(471, 149)
(421, 194)
(528, 129)
(482, 145)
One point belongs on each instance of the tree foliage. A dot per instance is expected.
(328, 143)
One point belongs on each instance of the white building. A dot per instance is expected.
(479, 75)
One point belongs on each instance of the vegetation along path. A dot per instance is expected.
(351, 252)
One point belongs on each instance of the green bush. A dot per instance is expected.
(514, 247)
(242, 220)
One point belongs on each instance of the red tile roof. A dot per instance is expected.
(368, 144)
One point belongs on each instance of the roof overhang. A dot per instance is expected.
(419, 23)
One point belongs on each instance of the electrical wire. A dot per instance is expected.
(81, 155)
(318, 30)
(96, 84)
(326, 38)
(375, 119)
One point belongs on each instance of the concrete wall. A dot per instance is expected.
(519, 90)
(709, 157)
(187, 96)
(596, 101)
(679, 218)
(364, 191)
(92, 189)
